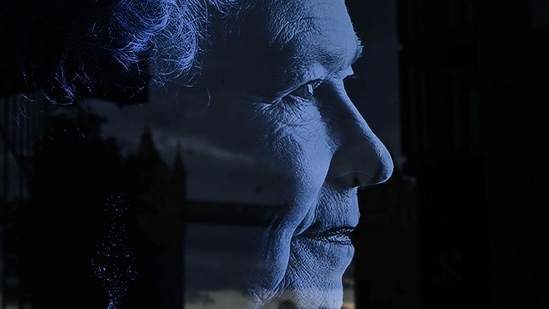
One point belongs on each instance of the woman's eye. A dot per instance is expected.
(306, 91)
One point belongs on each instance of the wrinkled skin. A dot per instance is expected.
(277, 93)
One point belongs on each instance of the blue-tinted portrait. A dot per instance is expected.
(276, 74)
(250, 197)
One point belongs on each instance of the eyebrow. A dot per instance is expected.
(293, 63)
(358, 51)
(339, 59)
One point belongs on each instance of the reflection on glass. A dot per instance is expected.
(278, 103)
(262, 195)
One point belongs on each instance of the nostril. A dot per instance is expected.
(364, 164)
(362, 178)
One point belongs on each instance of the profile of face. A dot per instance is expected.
(278, 97)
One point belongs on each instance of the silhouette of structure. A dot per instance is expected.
(386, 240)
(472, 73)
(159, 210)
(157, 195)
(386, 245)
(22, 123)
(441, 137)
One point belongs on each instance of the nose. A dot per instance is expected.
(360, 158)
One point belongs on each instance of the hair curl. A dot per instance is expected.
(68, 49)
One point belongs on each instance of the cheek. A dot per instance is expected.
(298, 157)
(315, 272)
(318, 263)
(298, 154)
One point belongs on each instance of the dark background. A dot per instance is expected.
(456, 89)
(472, 78)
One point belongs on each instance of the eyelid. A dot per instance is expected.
(313, 84)
(340, 75)
(351, 77)
(345, 73)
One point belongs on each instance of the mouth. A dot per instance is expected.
(338, 235)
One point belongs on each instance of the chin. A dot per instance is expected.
(309, 298)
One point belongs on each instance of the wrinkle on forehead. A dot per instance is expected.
(283, 22)
(280, 43)
(317, 30)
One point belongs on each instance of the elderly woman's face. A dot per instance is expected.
(278, 97)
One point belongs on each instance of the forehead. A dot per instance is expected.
(285, 36)
(283, 20)
(312, 29)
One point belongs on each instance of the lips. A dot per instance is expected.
(338, 235)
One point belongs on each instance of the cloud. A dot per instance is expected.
(214, 173)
